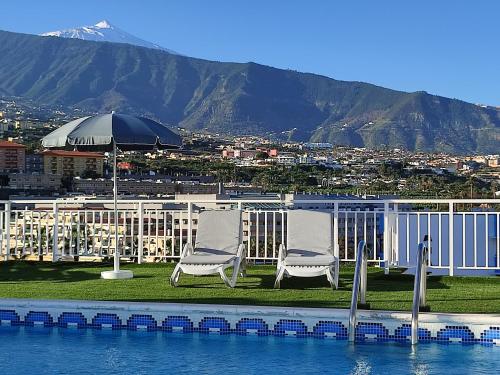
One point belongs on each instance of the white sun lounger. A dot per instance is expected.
(309, 251)
(218, 246)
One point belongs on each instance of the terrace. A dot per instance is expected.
(81, 233)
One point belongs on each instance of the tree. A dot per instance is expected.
(67, 183)
(261, 155)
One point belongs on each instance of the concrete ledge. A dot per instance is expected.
(246, 310)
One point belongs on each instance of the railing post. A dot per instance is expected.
(140, 232)
(451, 238)
(395, 234)
(7, 230)
(336, 230)
(2, 229)
(387, 249)
(190, 224)
(55, 234)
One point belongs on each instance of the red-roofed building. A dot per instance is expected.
(12, 156)
(72, 163)
(124, 165)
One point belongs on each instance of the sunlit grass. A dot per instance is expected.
(393, 292)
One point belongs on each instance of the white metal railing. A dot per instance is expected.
(466, 235)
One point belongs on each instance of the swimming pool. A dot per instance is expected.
(61, 350)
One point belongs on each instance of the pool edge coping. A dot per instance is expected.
(250, 310)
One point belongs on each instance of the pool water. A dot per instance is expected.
(37, 350)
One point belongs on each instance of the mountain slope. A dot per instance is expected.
(103, 31)
(239, 98)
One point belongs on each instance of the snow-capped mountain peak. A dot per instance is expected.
(103, 25)
(104, 31)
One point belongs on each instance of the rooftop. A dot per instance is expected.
(8, 144)
(76, 154)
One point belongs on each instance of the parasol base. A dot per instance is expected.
(114, 275)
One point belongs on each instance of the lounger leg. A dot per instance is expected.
(243, 268)
(337, 271)
(224, 277)
(174, 279)
(331, 278)
(236, 269)
(279, 276)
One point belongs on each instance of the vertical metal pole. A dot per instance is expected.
(336, 251)
(257, 233)
(387, 250)
(140, 234)
(451, 238)
(55, 234)
(416, 295)
(395, 239)
(116, 265)
(190, 224)
(2, 230)
(356, 289)
(363, 276)
(423, 276)
(7, 230)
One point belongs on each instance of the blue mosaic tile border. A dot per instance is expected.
(284, 327)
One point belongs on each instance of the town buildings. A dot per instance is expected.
(148, 187)
(12, 156)
(72, 163)
(35, 181)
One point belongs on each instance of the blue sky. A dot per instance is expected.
(446, 47)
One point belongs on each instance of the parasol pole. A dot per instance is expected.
(115, 207)
(116, 273)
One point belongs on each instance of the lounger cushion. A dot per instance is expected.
(311, 231)
(307, 258)
(220, 230)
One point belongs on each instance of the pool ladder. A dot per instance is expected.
(419, 288)
(358, 287)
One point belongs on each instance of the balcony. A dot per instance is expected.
(465, 234)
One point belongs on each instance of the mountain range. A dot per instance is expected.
(239, 98)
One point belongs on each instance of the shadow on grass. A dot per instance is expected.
(400, 283)
(254, 281)
(258, 278)
(377, 282)
(18, 271)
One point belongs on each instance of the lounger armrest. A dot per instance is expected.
(188, 250)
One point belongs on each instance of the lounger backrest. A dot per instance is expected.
(219, 230)
(310, 230)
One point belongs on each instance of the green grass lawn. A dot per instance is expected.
(150, 284)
